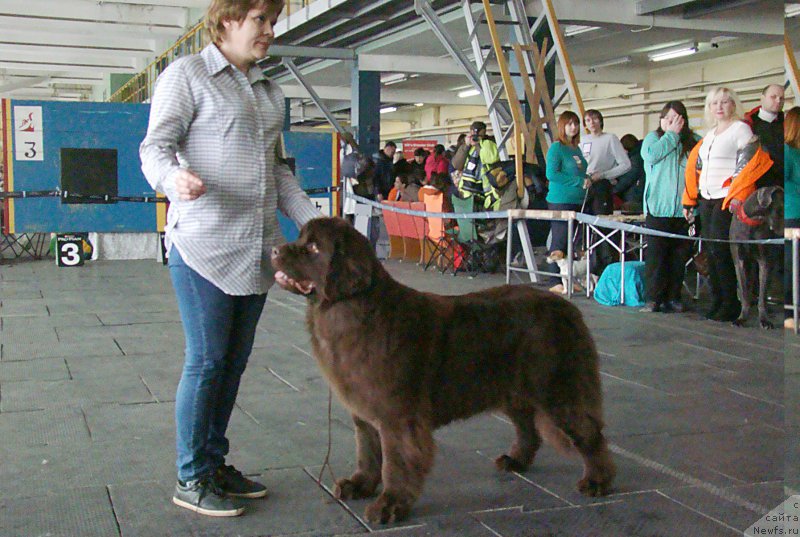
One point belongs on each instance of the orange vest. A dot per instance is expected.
(740, 186)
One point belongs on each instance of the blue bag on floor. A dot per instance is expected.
(607, 290)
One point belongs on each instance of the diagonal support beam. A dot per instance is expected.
(427, 12)
(289, 64)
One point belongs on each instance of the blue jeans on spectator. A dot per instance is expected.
(219, 330)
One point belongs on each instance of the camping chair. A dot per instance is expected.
(466, 236)
(439, 240)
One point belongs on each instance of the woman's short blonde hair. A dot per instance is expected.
(222, 10)
(710, 118)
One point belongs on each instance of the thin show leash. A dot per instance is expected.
(327, 462)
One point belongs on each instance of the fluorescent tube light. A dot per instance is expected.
(613, 61)
(388, 109)
(792, 10)
(392, 78)
(419, 104)
(468, 93)
(675, 52)
(576, 29)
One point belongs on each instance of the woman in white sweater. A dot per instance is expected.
(724, 152)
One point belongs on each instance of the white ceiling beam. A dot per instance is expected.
(48, 39)
(96, 11)
(23, 83)
(408, 64)
(65, 57)
(45, 66)
(196, 4)
(388, 95)
(600, 12)
(66, 27)
(69, 55)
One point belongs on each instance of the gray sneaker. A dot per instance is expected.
(204, 496)
(233, 483)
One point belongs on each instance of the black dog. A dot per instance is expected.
(759, 217)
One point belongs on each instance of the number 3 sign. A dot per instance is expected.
(69, 251)
(28, 133)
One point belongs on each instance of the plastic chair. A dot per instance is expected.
(390, 217)
(438, 240)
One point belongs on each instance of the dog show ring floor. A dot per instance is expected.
(701, 419)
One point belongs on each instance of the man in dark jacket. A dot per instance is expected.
(384, 178)
(766, 121)
(630, 185)
(417, 172)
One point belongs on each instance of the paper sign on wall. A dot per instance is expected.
(28, 133)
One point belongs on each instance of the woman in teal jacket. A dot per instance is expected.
(664, 152)
(791, 187)
(566, 173)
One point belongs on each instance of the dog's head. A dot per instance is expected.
(767, 203)
(555, 256)
(329, 261)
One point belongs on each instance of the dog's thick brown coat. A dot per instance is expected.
(514, 349)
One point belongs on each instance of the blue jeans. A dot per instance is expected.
(219, 330)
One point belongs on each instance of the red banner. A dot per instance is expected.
(410, 145)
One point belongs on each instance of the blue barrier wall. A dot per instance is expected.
(122, 127)
(313, 156)
(83, 125)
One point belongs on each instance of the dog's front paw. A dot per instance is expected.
(593, 487)
(506, 463)
(766, 324)
(388, 508)
(739, 322)
(354, 488)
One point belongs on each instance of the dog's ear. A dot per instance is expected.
(352, 263)
(765, 195)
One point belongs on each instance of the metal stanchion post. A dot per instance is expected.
(795, 274)
(570, 227)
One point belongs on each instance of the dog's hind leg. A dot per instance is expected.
(526, 441)
(763, 280)
(741, 278)
(367, 477)
(408, 453)
(586, 434)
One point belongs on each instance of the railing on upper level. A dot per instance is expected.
(140, 88)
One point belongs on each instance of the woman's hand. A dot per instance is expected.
(676, 124)
(188, 185)
(688, 214)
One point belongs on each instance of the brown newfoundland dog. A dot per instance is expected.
(514, 349)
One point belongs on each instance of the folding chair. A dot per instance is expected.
(390, 217)
(438, 240)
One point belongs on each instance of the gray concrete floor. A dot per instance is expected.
(704, 439)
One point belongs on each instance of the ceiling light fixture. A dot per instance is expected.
(393, 78)
(388, 109)
(674, 52)
(613, 61)
(419, 104)
(468, 93)
(576, 29)
(791, 10)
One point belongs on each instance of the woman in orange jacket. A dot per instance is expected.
(720, 173)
